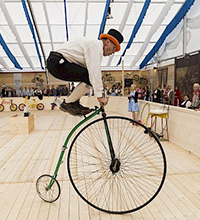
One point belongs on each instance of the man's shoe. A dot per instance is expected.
(71, 108)
(77, 103)
(86, 111)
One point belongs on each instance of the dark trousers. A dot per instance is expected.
(62, 69)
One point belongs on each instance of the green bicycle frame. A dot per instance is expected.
(97, 111)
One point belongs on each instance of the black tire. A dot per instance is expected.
(1, 107)
(13, 107)
(40, 106)
(111, 79)
(142, 171)
(136, 77)
(21, 106)
(48, 195)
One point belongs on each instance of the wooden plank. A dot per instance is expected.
(14, 212)
(25, 210)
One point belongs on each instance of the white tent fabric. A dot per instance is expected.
(174, 43)
(153, 29)
(84, 19)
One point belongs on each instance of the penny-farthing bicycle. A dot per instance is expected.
(113, 165)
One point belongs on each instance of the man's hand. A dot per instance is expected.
(103, 100)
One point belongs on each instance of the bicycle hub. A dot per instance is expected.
(115, 165)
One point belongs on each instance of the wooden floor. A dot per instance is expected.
(24, 158)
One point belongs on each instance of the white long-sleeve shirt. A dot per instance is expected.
(86, 53)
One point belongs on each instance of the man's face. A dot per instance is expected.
(196, 88)
(109, 48)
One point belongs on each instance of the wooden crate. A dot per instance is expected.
(21, 125)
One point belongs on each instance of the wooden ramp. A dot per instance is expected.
(24, 158)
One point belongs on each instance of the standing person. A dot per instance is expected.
(80, 61)
(146, 93)
(165, 94)
(30, 91)
(20, 92)
(133, 101)
(177, 99)
(65, 91)
(113, 91)
(9, 92)
(58, 92)
(47, 91)
(170, 95)
(196, 96)
(119, 91)
(3, 91)
(52, 91)
(140, 92)
(156, 95)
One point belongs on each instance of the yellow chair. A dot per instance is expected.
(162, 114)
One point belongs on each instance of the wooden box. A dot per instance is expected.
(21, 125)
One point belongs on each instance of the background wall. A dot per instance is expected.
(34, 79)
(184, 129)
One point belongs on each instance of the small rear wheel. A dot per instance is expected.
(40, 106)
(48, 188)
(21, 106)
(13, 107)
(1, 107)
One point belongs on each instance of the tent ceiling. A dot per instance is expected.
(84, 18)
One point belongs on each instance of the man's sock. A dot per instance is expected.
(80, 90)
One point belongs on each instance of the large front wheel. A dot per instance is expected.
(140, 165)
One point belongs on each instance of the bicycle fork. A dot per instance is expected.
(115, 163)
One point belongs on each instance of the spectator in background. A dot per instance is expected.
(113, 91)
(47, 91)
(170, 95)
(20, 92)
(25, 91)
(52, 91)
(58, 93)
(177, 99)
(30, 91)
(140, 92)
(119, 91)
(133, 102)
(3, 91)
(146, 93)
(186, 103)
(196, 96)
(9, 92)
(165, 94)
(38, 93)
(156, 95)
(14, 93)
(65, 91)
